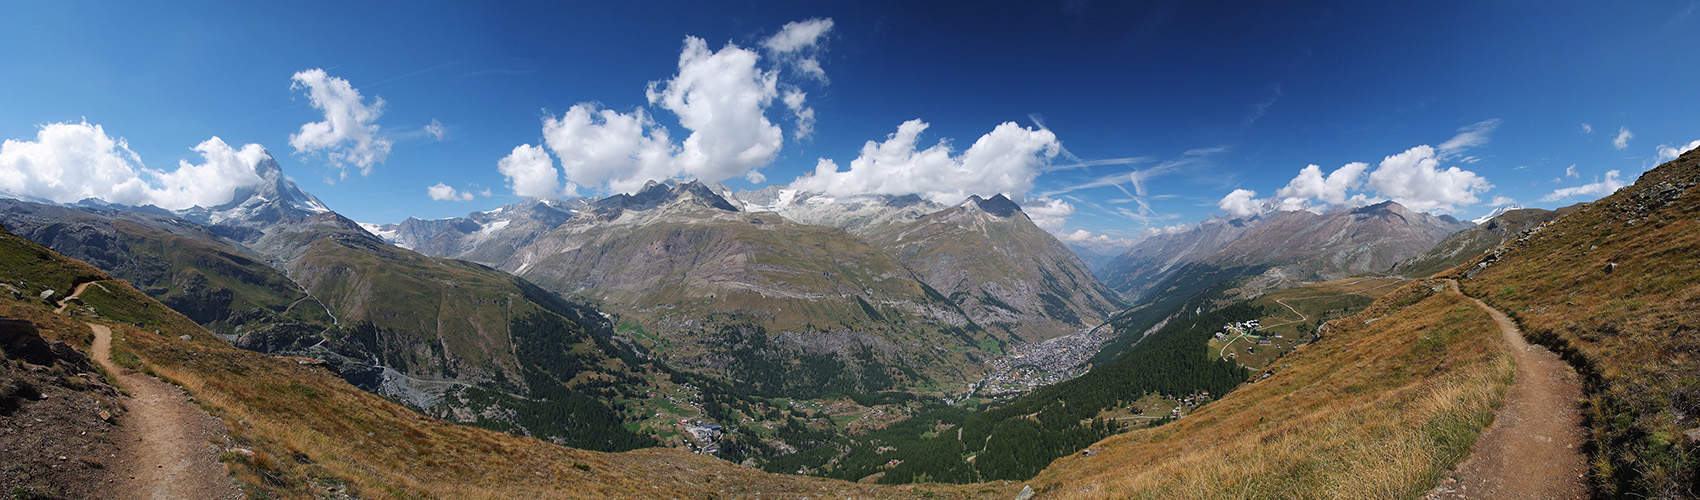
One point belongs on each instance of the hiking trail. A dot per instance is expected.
(1534, 447)
(166, 440)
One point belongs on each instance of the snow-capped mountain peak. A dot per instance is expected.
(1496, 213)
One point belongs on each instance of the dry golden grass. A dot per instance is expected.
(1614, 286)
(1380, 407)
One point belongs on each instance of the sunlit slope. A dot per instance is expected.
(1470, 244)
(1615, 286)
(786, 308)
(313, 435)
(1003, 270)
(213, 281)
(1380, 406)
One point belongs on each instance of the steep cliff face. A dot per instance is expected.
(1004, 271)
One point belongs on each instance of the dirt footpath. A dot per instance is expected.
(165, 442)
(1534, 447)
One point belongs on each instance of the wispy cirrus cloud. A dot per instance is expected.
(1469, 136)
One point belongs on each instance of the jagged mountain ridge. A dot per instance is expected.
(1340, 243)
(862, 215)
(483, 237)
(275, 200)
(1285, 247)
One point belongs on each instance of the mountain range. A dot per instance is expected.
(598, 323)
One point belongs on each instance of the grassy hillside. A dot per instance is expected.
(313, 435)
(793, 310)
(1613, 286)
(1293, 317)
(1015, 439)
(219, 285)
(1380, 406)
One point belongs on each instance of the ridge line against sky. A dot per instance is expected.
(1107, 122)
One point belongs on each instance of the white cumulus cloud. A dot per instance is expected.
(1103, 244)
(1333, 189)
(349, 133)
(1611, 184)
(1048, 214)
(722, 98)
(214, 182)
(1005, 160)
(444, 192)
(602, 147)
(1668, 153)
(798, 35)
(531, 173)
(1241, 203)
(794, 99)
(1623, 137)
(71, 162)
(798, 43)
(1414, 179)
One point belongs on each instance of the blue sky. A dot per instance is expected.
(1527, 101)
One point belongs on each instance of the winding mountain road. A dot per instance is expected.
(1534, 447)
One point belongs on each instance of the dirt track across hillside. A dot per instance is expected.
(1534, 447)
(165, 440)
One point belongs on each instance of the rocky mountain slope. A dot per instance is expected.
(52, 399)
(1004, 271)
(484, 237)
(755, 297)
(1303, 246)
(1284, 247)
(1156, 258)
(1471, 243)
